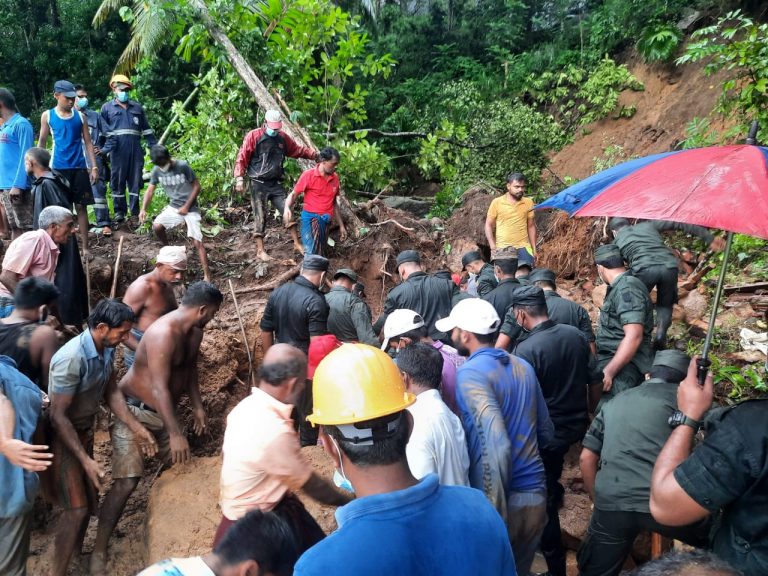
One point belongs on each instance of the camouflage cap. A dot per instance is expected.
(506, 253)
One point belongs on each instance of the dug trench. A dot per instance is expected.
(174, 512)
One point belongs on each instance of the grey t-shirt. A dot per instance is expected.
(176, 183)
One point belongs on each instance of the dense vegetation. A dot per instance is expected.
(444, 90)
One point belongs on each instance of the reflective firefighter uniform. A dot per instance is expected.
(124, 126)
(100, 206)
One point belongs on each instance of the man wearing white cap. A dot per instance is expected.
(261, 159)
(505, 419)
(405, 327)
(151, 295)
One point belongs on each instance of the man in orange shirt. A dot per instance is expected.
(263, 464)
(320, 186)
(510, 221)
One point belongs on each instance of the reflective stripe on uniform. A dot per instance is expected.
(123, 132)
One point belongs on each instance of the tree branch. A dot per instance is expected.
(375, 132)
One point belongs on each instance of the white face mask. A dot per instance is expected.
(339, 479)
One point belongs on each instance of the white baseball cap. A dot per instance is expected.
(473, 315)
(400, 322)
(274, 119)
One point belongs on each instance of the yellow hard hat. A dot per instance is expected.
(120, 79)
(355, 383)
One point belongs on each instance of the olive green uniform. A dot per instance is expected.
(349, 318)
(626, 302)
(486, 280)
(651, 260)
(628, 435)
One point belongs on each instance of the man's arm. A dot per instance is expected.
(159, 370)
(192, 197)
(532, 234)
(42, 346)
(361, 318)
(116, 402)
(545, 429)
(321, 490)
(193, 387)
(31, 457)
(10, 280)
(45, 130)
(670, 504)
(588, 464)
(26, 141)
(633, 337)
(294, 150)
(135, 297)
(714, 242)
(107, 133)
(490, 231)
(60, 404)
(339, 219)
(244, 158)
(146, 131)
(94, 175)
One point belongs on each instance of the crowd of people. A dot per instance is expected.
(447, 419)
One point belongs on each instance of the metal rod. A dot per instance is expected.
(704, 361)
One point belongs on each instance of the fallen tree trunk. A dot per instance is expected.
(266, 101)
(272, 284)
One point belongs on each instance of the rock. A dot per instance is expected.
(694, 306)
(416, 207)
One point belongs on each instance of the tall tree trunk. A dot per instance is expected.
(266, 101)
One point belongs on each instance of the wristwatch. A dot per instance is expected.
(678, 418)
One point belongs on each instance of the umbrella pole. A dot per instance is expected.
(704, 361)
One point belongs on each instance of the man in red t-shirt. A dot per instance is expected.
(320, 186)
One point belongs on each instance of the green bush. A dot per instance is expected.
(659, 42)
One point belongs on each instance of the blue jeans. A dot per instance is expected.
(526, 519)
(129, 356)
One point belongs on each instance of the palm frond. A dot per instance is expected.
(107, 8)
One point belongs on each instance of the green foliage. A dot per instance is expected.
(580, 96)
(363, 166)
(744, 383)
(700, 133)
(209, 136)
(612, 155)
(659, 42)
(738, 44)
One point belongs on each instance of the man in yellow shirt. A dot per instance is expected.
(510, 221)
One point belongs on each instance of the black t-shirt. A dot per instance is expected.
(564, 365)
(296, 311)
(729, 472)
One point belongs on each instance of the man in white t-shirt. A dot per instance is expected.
(437, 443)
(259, 544)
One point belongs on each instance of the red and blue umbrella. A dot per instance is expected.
(723, 187)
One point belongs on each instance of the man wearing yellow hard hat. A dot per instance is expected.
(397, 524)
(125, 124)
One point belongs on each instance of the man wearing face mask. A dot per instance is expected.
(125, 124)
(297, 313)
(263, 465)
(261, 159)
(397, 524)
(624, 352)
(24, 336)
(98, 188)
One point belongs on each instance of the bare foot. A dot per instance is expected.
(299, 248)
(263, 256)
(98, 564)
(206, 279)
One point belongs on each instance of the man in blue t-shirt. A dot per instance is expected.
(506, 420)
(397, 525)
(20, 404)
(15, 197)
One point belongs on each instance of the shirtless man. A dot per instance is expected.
(151, 295)
(152, 389)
